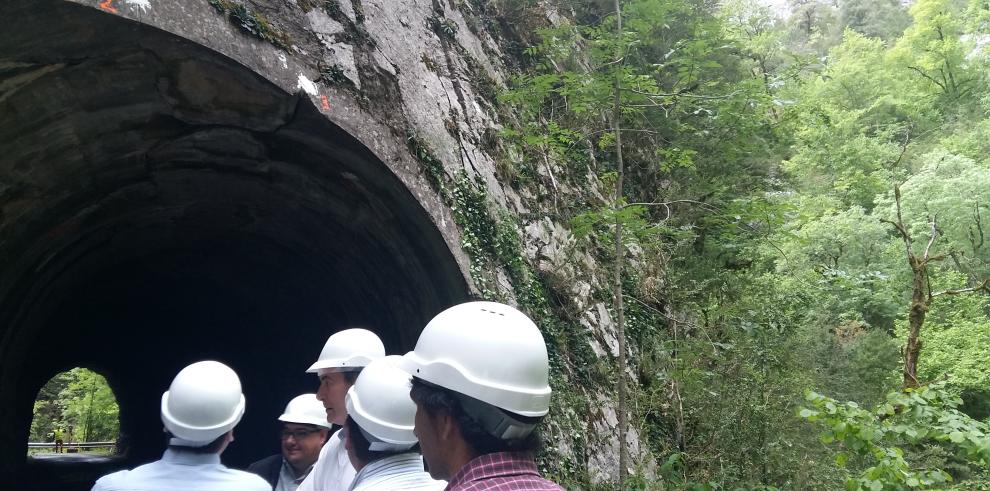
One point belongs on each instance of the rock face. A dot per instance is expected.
(301, 164)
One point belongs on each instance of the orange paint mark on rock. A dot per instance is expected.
(325, 102)
(108, 6)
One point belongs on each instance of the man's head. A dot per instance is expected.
(380, 414)
(448, 432)
(304, 431)
(202, 406)
(481, 384)
(343, 357)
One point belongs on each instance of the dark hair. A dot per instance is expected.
(212, 447)
(351, 375)
(434, 399)
(360, 444)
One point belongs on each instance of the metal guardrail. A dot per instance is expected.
(73, 445)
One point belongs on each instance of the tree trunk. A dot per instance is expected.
(620, 328)
(916, 318)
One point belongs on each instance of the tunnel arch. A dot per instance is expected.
(161, 203)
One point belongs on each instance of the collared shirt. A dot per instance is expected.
(186, 471)
(501, 471)
(287, 478)
(333, 470)
(403, 471)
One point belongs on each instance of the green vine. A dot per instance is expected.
(492, 242)
(252, 22)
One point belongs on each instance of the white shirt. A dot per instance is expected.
(403, 471)
(186, 471)
(333, 470)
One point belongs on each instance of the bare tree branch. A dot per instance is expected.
(929, 77)
(899, 225)
(680, 93)
(931, 240)
(983, 286)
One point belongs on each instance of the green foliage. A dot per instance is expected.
(953, 190)
(443, 27)
(878, 438)
(882, 19)
(252, 22)
(766, 150)
(79, 402)
(934, 48)
(334, 75)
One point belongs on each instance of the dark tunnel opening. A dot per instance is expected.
(161, 204)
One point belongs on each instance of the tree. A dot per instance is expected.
(933, 47)
(948, 189)
(881, 19)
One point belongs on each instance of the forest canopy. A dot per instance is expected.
(801, 198)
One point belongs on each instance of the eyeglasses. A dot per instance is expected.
(296, 434)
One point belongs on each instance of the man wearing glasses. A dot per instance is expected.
(304, 431)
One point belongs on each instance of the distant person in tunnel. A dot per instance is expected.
(199, 411)
(344, 355)
(481, 387)
(59, 437)
(305, 430)
(379, 434)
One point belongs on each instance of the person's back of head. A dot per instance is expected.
(202, 406)
(380, 421)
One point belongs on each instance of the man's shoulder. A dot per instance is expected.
(248, 481)
(528, 483)
(149, 476)
(110, 481)
(122, 477)
(266, 463)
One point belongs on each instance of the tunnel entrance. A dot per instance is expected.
(74, 412)
(161, 204)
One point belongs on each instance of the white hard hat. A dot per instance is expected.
(379, 403)
(305, 409)
(203, 402)
(488, 351)
(349, 349)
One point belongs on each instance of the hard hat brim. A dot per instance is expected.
(449, 375)
(287, 418)
(341, 364)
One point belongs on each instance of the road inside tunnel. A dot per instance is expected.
(161, 204)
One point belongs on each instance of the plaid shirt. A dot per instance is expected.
(503, 471)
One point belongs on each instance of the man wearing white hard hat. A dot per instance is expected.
(344, 355)
(304, 431)
(199, 411)
(481, 387)
(379, 432)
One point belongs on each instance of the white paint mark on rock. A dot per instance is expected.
(307, 85)
(144, 5)
(285, 62)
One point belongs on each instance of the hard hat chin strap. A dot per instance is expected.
(495, 421)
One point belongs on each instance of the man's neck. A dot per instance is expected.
(298, 471)
(460, 454)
